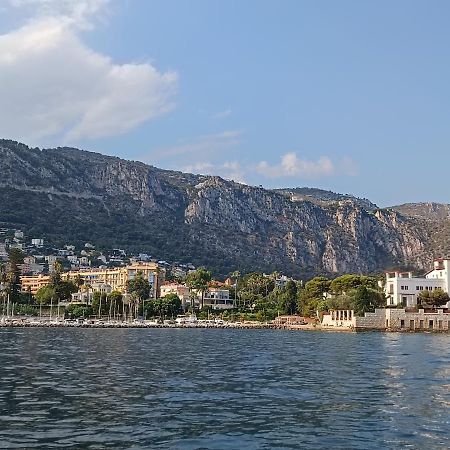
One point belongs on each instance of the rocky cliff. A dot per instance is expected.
(74, 196)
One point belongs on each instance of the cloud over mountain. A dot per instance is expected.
(54, 86)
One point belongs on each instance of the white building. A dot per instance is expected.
(403, 289)
(73, 259)
(3, 252)
(18, 234)
(218, 298)
(86, 295)
(37, 242)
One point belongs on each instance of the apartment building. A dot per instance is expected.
(115, 277)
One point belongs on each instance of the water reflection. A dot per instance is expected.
(133, 388)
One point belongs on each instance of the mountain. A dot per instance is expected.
(434, 218)
(323, 197)
(426, 211)
(73, 196)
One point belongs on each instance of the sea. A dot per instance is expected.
(80, 388)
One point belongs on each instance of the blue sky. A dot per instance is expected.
(351, 96)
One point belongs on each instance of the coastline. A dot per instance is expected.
(231, 325)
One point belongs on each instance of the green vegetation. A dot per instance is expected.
(78, 311)
(199, 280)
(261, 296)
(26, 310)
(108, 304)
(12, 274)
(57, 289)
(162, 308)
(139, 287)
(433, 299)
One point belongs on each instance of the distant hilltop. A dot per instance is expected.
(324, 197)
(70, 195)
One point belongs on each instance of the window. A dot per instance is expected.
(402, 323)
(417, 288)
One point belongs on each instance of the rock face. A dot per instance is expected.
(73, 196)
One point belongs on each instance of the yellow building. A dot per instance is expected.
(32, 283)
(116, 277)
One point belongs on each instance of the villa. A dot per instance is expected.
(402, 289)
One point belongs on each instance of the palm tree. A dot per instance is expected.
(199, 280)
(78, 280)
(156, 282)
(236, 275)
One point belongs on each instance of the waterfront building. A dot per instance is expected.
(402, 289)
(218, 298)
(390, 319)
(32, 283)
(116, 277)
(86, 295)
(290, 320)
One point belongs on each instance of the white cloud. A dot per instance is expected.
(202, 145)
(222, 114)
(293, 166)
(230, 170)
(54, 86)
(79, 12)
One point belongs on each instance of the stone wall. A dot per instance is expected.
(372, 320)
(399, 319)
(391, 319)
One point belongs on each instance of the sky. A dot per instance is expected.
(350, 96)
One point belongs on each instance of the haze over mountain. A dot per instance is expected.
(72, 196)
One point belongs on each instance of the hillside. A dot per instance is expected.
(323, 197)
(427, 211)
(73, 196)
(434, 218)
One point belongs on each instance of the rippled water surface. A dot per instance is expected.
(219, 389)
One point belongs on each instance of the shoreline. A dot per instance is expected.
(229, 326)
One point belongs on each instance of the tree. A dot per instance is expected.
(433, 299)
(311, 297)
(288, 299)
(366, 299)
(139, 286)
(346, 283)
(45, 294)
(78, 281)
(236, 275)
(55, 276)
(172, 305)
(15, 259)
(57, 288)
(199, 280)
(77, 311)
